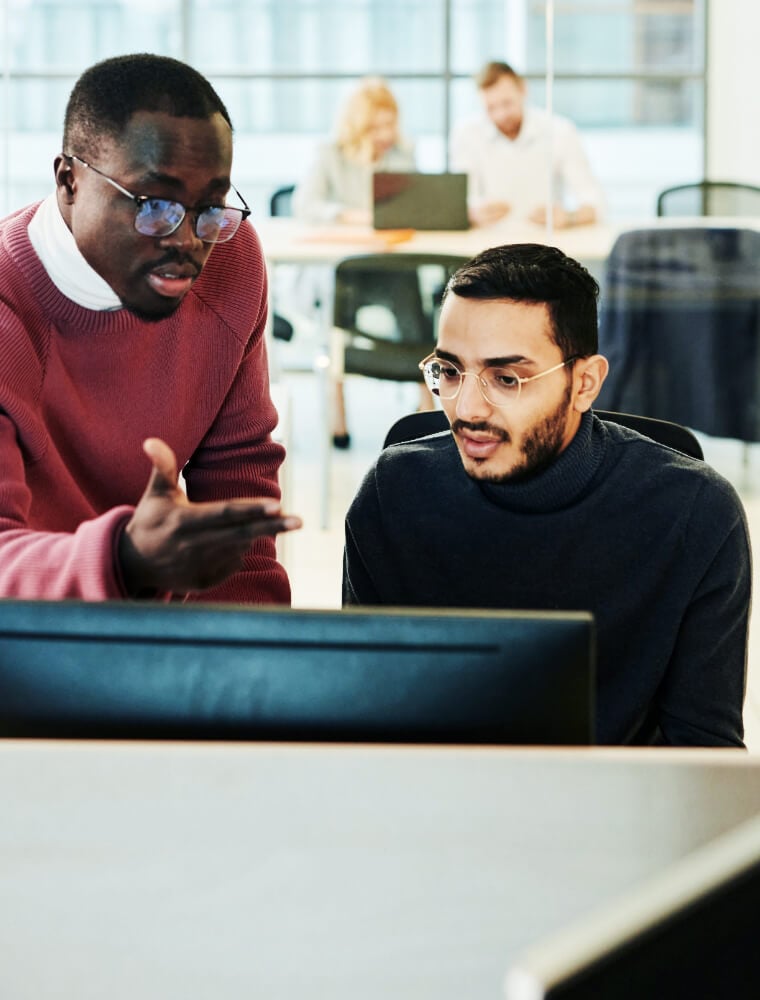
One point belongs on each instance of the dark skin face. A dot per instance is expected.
(183, 159)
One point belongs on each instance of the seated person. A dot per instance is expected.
(338, 185)
(127, 343)
(338, 188)
(506, 152)
(533, 502)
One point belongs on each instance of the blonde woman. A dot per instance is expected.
(338, 187)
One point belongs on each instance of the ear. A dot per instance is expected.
(589, 375)
(64, 180)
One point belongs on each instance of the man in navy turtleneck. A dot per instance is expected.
(533, 502)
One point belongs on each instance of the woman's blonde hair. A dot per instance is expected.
(373, 94)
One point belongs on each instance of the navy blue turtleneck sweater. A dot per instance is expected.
(653, 543)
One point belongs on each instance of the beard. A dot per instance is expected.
(154, 316)
(540, 446)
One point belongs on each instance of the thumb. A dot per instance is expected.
(165, 475)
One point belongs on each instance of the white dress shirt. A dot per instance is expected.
(516, 171)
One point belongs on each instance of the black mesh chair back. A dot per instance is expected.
(407, 288)
(679, 323)
(710, 198)
(417, 425)
(280, 203)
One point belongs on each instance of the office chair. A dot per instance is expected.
(281, 199)
(417, 425)
(679, 323)
(407, 289)
(709, 198)
(279, 204)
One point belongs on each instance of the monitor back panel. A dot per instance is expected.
(126, 670)
(420, 201)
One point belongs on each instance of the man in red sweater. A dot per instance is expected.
(133, 303)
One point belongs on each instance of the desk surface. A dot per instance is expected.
(168, 871)
(287, 240)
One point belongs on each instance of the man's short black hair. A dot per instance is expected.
(531, 272)
(107, 94)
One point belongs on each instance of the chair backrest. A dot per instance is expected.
(406, 289)
(417, 425)
(710, 198)
(280, 202)
(680, 323)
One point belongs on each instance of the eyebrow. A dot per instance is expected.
(508, 359)
(222, 184)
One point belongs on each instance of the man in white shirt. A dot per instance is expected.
(508, 154)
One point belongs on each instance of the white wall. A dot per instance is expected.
(733, 116)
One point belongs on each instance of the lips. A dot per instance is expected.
(172, 280)
(479, 445)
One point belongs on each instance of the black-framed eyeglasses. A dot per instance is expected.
(499, 385)
(159, 217)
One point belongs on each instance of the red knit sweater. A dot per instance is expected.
(81, 389)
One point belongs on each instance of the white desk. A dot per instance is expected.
(190, 872)
(287, 240)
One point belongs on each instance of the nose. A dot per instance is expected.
(184, 236)
(471, 403)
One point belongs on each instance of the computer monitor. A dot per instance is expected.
(689, 933)
(139, 670)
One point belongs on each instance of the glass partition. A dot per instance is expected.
(630, 73)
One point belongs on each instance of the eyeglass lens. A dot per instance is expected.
(160, 217)
(500, 386)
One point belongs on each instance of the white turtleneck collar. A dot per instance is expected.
(68, 270)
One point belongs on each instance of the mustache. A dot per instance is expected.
(481, 427)
(172, 257)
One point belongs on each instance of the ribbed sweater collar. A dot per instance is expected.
(564, 482)
(51, 302)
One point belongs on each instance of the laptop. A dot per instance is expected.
(420, 201)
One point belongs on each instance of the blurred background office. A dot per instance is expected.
(656, 88)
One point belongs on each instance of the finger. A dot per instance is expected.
(229, 515)
(165, 474)
(226, 546)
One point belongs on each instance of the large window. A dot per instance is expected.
(630, 73)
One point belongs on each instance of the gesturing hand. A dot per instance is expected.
(171, 544)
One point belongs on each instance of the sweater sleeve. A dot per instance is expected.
(238, 458)
(703, 691)
(52, 565)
